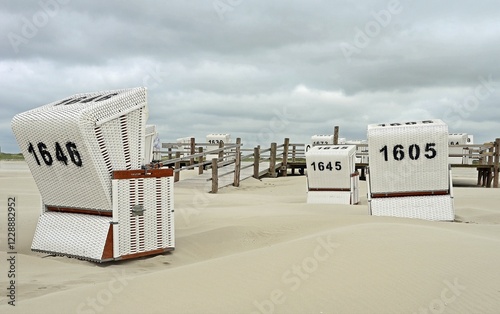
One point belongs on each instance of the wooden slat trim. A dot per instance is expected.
(108, 246)
(141, 254)
(405, 194)
(329, 189)
(141, 173)
(79, 211)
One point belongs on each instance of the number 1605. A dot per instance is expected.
(399, 152)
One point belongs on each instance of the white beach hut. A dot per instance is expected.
(86, 154)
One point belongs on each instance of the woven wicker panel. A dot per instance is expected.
(152, 230)
(78, 235)
(101, 131)
(457, 139)
(321, 140)
(438, 207)
(330, 166)
(363, 149)
(215, 138)
(324, 197)
(422, 148)
(149, 141)
(213, 143)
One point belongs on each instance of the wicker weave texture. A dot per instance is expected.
(73, 145)
(149, 141)
(213, 141)
(151, 230)
(215, 138)
(78, 235)
(320, 139)
(330, 166)
(436, 207)
(325, 197)
(407, 157)
(362, 149)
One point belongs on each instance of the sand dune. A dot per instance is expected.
(261, 249)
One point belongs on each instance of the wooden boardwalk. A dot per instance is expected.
(226, 176)
(231, 157)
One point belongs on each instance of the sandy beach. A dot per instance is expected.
(260, 248)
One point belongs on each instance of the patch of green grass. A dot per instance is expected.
(7, 156)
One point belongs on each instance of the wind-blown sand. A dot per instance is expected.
(261, 249)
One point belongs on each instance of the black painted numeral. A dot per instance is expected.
(414, 152)
(60, 154)
(31, 150)
(74, 154)
(46, 156)
(430, 148)
(398, 152)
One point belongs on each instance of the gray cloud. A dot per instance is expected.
(238, 70)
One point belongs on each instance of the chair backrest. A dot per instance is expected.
(408, 156)
(72, 146)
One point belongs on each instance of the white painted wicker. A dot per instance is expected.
(320, 139)
(215, 138)
(150, 230)
(408, 157)
(458, 139)
(213, 141)
(77, 235)
(72, 146)
(437, 207)
(470, 139)
(326, 197)
(409, 174)
(331, 176)
(361, 149)
(149, 142)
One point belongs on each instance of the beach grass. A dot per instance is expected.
(7, 156)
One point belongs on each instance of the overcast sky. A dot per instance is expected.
(260, 70)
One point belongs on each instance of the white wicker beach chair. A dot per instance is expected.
(74, 148)
(331, 174)
(409, 174)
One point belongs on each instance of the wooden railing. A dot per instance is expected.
(279, 158)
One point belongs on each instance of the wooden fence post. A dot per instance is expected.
(284, 164)
(237, 163)
(221, 153)
(200, 161)
(272, 160)
(491, 150)
(336, 135)
(177, 166)
(192, 151)
(256, 161)
(496, 163)
(215, 176)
